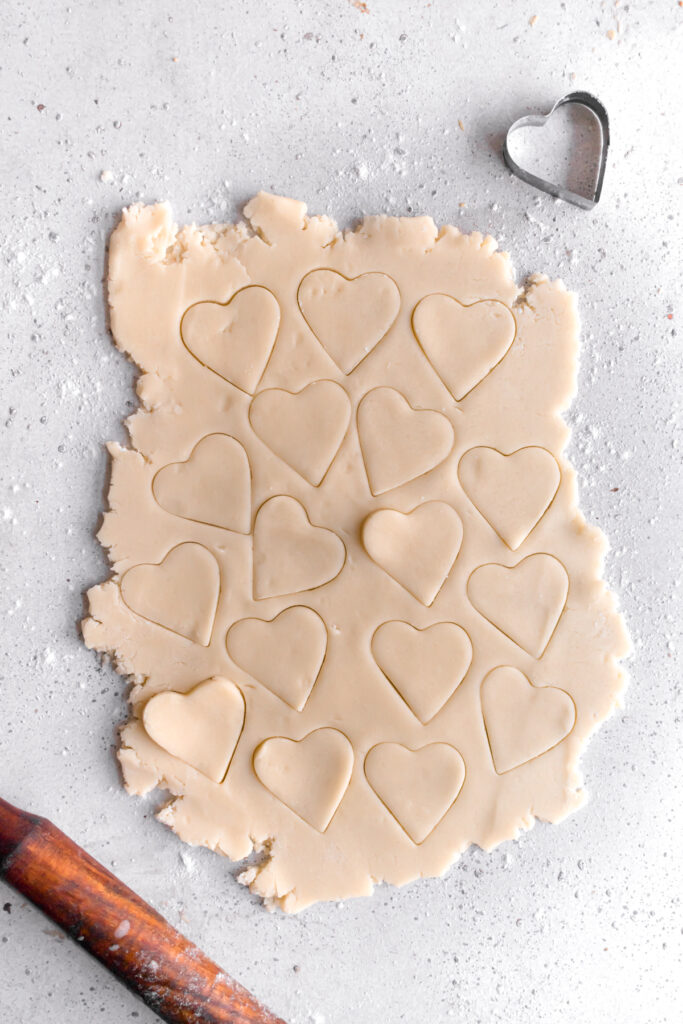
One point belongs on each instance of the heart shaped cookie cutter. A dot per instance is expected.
(583, 99)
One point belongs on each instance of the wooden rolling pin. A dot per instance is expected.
(171, 975)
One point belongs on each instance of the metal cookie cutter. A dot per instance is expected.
(584, 99)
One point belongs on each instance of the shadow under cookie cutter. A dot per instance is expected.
(583, 99)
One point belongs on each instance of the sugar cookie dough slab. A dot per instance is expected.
(363, 615)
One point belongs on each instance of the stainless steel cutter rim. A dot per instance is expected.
(584, 99)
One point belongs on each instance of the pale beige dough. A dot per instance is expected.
(522, 720)
(425, 665)
(524, 601)
(349, 317)
(416, 548)
(201, 727)
(417, 786)
(235, 338)
(309, 775)
(285, 653)
(511, 491)
(399, 443)
(290, 553)
(305, 429)
(211, 486)
(180, 593)
(363, 615)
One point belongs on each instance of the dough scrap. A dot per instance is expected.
(364, 618)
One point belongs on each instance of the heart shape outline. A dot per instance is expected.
(250, 659)
(384, 778)
(475, 478)
(327, 428)
(444, 534)
(346, 365)
(462, 379)
(583, 99)
(380, 411)
(499, 584)
(289, 520)
(180, 560)
(248, 379)
(528, 699)
(180, 743)
(328, 761)
(400, 663)
(177, 472)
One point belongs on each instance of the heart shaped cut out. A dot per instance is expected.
(418, 787)
(463, 343)
(304, 428)
(234, 338)
(212, 486)
(285, 654)
(399, 442)
(200, 727)
(290, 553)
(179, 593)
(524, 601)
(425, 666)
(523, 721)
(348, 316)
(513, 492)
(417, 548)
(310, 776)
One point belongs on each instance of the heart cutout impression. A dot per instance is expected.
(234, 338)
(213, 486)
(417, 548)
(201, 727)
(463, 343)
(304, 429)
(417, 787)
(180, 593)
(512, 492)
(523, 721)
(285, 654)
(310, 775)
(524, 601)
(425, 666)
(349, 316)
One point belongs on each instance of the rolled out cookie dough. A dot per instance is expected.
(363, 615)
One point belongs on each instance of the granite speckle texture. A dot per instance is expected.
(397, 107)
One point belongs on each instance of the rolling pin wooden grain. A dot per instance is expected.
(171, 975)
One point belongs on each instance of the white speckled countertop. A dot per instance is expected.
(354, 111)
